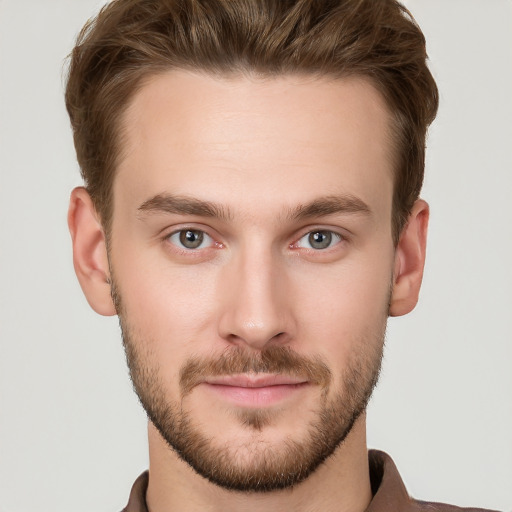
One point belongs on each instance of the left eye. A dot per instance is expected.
(318, 240)
(190, 239)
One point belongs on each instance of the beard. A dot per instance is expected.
(256, 465)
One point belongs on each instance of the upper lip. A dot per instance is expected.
(255, 380)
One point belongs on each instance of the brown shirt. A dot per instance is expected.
(389, 493)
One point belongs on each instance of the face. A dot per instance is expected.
(252, 262)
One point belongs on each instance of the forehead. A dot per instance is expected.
(276, 140)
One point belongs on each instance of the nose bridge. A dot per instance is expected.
(254, 312)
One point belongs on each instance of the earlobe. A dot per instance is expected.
(90, 252)
(409, 261)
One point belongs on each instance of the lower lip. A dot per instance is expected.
(256, 397)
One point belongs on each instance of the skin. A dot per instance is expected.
(258, 149)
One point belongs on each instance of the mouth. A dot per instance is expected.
(255, 390)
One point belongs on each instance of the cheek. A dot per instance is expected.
(170, 308)
(345, 308)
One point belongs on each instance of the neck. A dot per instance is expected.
(340, 484)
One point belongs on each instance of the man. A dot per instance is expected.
(252, 215)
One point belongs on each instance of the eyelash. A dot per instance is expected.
(180, 233)
(333, 238)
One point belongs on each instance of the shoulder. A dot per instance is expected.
(137, 501)
(390, 494)
(427, 506)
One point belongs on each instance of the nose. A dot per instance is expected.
(256, 308)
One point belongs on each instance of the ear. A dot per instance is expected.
(90, 252)
(409, 261)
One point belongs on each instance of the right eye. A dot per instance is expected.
(190, 239)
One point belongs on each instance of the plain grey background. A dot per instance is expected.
(72, 435)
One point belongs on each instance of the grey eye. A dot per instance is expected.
(320, 239)
(190, 239)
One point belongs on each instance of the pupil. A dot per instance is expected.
(191, 239)
(320, 239)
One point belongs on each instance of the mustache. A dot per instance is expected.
(273, 359)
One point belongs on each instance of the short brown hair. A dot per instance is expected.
(131, 40)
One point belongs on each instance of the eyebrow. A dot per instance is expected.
(184, 205)
(320, 207)
(330, 205)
